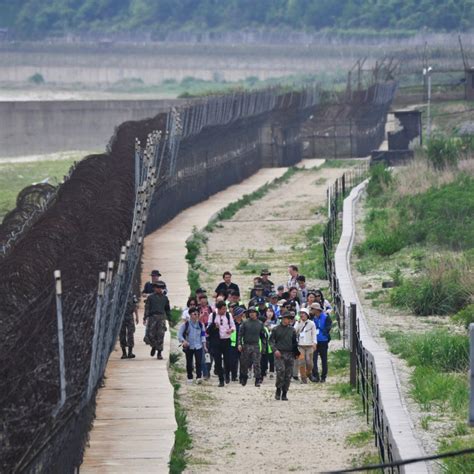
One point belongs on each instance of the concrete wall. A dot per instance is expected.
(36, 127)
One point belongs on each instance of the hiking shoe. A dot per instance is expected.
(323, 380)
(227, 379)
(207, 377)
(257, 382)
(304, 381)
(284, 397)
(243, 382)
(295, 377)
(221, 383)
(278, 394)
(314, 379)
(234, 379)
(199, 381)
(124, 356)
(189, 381)
(153, 352)
(131, 355)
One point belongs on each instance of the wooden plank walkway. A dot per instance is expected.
(134, 427)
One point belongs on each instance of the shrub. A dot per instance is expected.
(380, 180)
(438, 349)
(36, 79)
(465, 316)
(443, 152)
(440, 290)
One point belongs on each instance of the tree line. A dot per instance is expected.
(37, 18)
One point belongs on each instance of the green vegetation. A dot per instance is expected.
(231, 209)
(193, 247)
(175, 317)
(36, 79)
(458, 464)
(359, 439)
(182, 440)
(436, 349)
(62, 16)
(16, 176)
(441, 360)
(465, 316)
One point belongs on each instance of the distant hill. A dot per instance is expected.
(40, 18)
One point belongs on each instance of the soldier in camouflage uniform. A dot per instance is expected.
(252, 337)
(157, 311)
(285, 348)
(128, 328)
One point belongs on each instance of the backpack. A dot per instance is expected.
(186, 329)
(213, 331)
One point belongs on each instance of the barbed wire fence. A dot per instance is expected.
(67, 272)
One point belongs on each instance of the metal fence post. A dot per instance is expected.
(95, 337)
(471, 404)
(353, 344)
(59, 316)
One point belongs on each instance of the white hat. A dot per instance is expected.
(305, 311)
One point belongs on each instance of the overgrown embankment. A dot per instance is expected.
(418, 224)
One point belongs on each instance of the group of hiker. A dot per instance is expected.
(282, 331)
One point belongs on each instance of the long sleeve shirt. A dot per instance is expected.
(306, 332)
(251, 332)
(283, 338)
(193, 333)
(225, 324)
(157, 304)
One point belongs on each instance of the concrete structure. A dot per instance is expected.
(469, 84)
(395, 415)
(49, 126)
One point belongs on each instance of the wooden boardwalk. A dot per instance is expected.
(134, 428)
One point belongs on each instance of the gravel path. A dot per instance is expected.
(236, 429)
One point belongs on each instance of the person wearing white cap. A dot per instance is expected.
(306, 334)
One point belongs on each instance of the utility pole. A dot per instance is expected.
(427, 73)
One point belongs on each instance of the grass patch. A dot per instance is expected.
(343, 389)
(465, 316)
(182, 439)
(175, 317)
(231, 209)
(16, 176)
(359, 439)
(459, 464)
(431, 388)
(444, 287)
(339, 163)
(367, 459)
(436, 349)
(339, 360)
(250, 268)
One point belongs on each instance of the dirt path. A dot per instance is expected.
(236, 429)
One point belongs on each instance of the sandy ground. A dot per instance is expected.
(237, 429)
(385, 318)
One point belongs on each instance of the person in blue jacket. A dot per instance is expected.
(323, 324)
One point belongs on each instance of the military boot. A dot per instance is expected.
(159, 356)
(131, 355)
(152, 352)
(124, 352)
(283, 395)
(278, 394)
